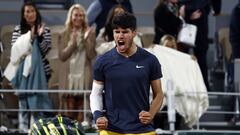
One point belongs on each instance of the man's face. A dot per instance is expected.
(123, 39)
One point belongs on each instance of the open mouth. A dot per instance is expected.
(120, 42)
(121, 45)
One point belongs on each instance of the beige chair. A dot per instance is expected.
(147, 39)
(53, 81)
(55, 30)
(6, 37)
(225, 45)
(52, 56)
(10, 100)
(147, 35)
(146, 29)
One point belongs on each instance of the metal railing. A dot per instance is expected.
(170, 102)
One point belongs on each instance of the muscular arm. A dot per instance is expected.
(157, 96)
(147, 117)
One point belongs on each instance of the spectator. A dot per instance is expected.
(169, 41)
(99, 9)
(77, 52)
(31, 42)
(235, 42)
(126, 71)
(235, 31)
(196, 12)
(166, 19)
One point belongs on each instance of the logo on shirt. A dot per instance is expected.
(137, 66)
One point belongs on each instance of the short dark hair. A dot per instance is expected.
(124, 20)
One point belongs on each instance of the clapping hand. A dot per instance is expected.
(41, 29)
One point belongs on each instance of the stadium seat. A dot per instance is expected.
(147, 35)
(6, 36)
(223, 40)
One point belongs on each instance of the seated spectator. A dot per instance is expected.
(170, 41)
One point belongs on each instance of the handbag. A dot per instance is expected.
(187, 34)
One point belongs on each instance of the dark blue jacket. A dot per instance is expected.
(235, 31)
(203, 5)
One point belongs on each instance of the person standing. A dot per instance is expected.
(196, 12)
(31, 41)
(167, 19)
(234, 37)
(235, 31)
(119, 99)
(77, 53)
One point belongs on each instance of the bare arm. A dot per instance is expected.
(147, 117)
(157, 96)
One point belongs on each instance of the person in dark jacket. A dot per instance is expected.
(196, 12)
(235, 31)
(234, 37)
(166, 19)
(98, 11)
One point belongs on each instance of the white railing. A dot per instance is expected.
(170, 93)
(85, 109)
